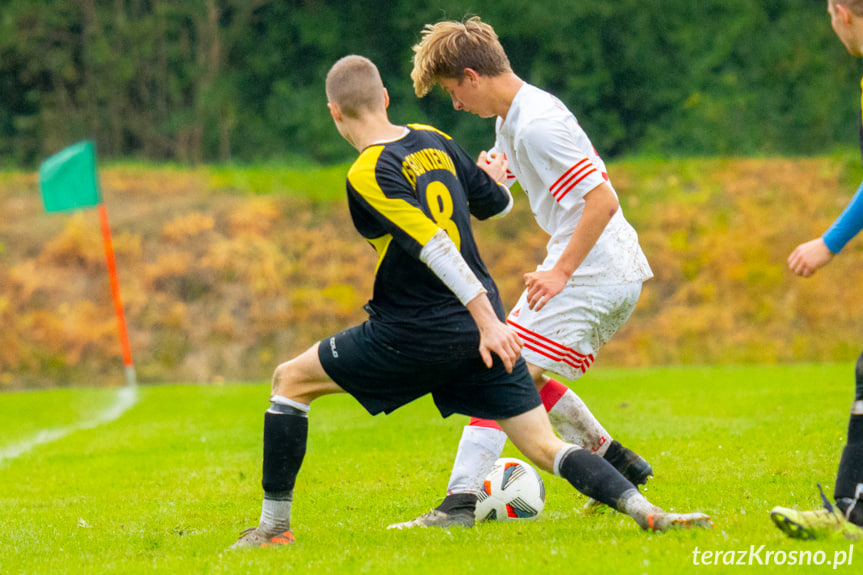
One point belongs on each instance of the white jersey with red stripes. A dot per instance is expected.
(555, 163)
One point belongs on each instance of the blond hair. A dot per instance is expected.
(448, 47)
(354, 84)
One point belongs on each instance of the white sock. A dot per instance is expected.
(478, 449)
(276, 516)
(636, 505)
(574, 422)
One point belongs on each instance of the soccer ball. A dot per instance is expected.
(513, 490)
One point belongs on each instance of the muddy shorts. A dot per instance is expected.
(565, 335)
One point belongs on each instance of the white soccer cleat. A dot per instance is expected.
(435, 518)
(662, 521)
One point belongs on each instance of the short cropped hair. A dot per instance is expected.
(448, 47)
(354, 84)
(855, 6)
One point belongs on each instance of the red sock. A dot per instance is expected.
(551, 393)
(477, 422)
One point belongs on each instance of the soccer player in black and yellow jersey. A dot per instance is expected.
(435, 318)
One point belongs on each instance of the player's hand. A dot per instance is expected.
(495, 337)
(542, 286)
(494, 165)
(499, 339)
(807, 258)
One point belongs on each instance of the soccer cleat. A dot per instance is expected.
(256, 537)
(817, 524)
(631, 465)
(663, 521)
(436, 518)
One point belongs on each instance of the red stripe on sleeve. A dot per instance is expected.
(566, 174)
(575, 183)
(571, 178)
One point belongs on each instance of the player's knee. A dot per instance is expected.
(283, 379)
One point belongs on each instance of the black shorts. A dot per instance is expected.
(383, 379)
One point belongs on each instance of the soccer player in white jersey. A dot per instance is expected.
(590, 281)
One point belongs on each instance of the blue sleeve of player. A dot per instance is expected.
(847, 225)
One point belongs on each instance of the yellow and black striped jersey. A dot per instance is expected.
(400, 194)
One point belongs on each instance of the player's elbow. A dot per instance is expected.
(607, 205)
(602, 200)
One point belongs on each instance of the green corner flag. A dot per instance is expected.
(68, 179)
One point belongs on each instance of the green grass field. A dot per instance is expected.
(167, 486)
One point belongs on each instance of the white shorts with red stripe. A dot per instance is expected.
(565, 335)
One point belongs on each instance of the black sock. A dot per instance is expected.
(457, 503)
(855, 429)
(285, 436)
(595, 477)
(848, 478)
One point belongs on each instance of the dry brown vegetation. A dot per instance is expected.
(220, 284)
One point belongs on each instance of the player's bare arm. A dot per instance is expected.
(494, 335)
(600, 205)
(809, 257)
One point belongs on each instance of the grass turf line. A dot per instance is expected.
(168, 486)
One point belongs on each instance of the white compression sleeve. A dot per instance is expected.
(447, 263)
(508, 207)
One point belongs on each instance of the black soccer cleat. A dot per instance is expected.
(630, 464)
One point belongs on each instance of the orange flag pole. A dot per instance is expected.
(69, 181)
(115, 292)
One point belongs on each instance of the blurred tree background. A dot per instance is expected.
(214, 81)
(232, 237)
